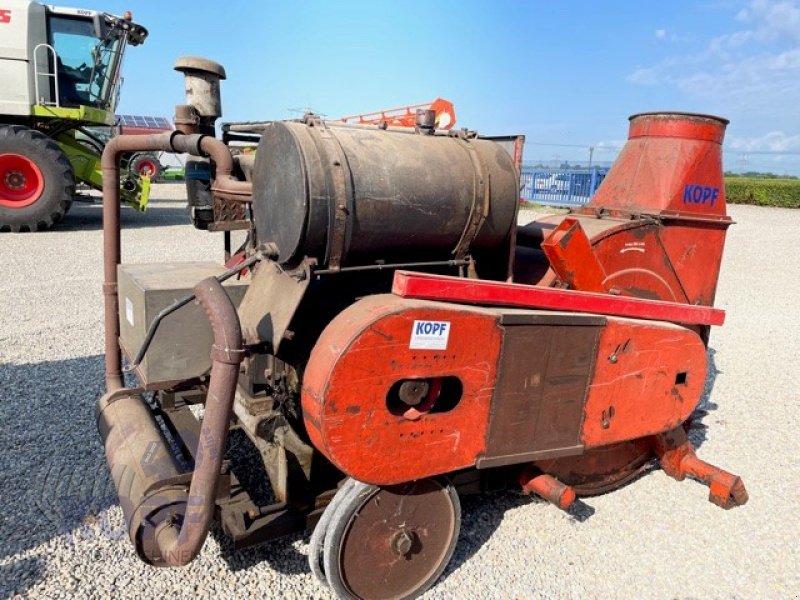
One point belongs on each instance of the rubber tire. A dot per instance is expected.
(59, 180)
(138, 159)
(337, 527)
(316, 544)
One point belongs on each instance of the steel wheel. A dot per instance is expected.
(391, 542)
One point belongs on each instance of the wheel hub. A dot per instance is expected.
(15, 180)
(402, 542)
(21, 181)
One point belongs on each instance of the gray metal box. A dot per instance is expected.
(182, 345)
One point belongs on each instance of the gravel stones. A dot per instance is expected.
(62, 533)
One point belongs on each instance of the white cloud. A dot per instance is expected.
(774, 141)
(750, 74)
(661, 34)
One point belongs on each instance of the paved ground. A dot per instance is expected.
(61, 533)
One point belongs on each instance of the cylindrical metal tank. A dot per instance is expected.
(352, 195)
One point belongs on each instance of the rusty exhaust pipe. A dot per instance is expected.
(225, 185)
(168, 519)
(167, 522)
(111, 241)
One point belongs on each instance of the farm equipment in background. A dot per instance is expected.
(406, 116)
(389, 339)
(60, 69)
(140, 164)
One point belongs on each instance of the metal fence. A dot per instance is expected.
(560, 186)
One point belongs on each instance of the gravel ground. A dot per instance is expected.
(61, 533)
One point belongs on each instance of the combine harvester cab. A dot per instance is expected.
(389, 339)
(61, 74)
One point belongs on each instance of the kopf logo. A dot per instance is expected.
(700, 194)
(429, 335)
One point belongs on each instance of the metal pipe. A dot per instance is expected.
(111, 240)
(225, 184)
(548, 487)
(167, 522)
(178, 545)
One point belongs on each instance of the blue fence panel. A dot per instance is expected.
(560, 186)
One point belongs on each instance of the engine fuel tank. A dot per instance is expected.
(349, 195)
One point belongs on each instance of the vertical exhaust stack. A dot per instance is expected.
(671, 165)
(203, 107)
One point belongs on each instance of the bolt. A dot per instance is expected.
(402, 542)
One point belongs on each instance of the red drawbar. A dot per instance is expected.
(456, 289)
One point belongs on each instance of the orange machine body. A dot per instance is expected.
(518, 386)
(656, 225)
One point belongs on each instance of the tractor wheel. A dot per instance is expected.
(37, 182)
(145, 165)
(391, 542)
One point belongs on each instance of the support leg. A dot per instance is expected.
(678, 459)
(548, 487)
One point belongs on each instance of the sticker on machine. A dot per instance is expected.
(430, 335)
(129, 310)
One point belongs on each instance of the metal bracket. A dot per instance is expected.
(481, 200)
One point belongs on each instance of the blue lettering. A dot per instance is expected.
(699, 194)
(419, 327)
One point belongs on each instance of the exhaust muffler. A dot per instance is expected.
(167, 513)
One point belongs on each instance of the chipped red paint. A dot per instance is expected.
(362, 353)
(648, 378)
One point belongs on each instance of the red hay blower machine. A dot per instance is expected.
(388, 338)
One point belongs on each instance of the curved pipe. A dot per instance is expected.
(111, 240)
(179, 545)
(225, 185)
(166, 522)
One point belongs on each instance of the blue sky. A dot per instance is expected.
(559, 72)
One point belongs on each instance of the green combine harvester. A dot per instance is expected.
(60, 73)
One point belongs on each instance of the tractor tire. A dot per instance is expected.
(37, 183)
(145, 165)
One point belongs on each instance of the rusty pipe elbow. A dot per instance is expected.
(225, 184)
(109, 162)
(179, 543)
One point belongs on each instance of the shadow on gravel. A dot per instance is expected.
(279, 553)
(482, 514)
(53, 478)
(89, 217)
(18, 576)
(697, 429)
